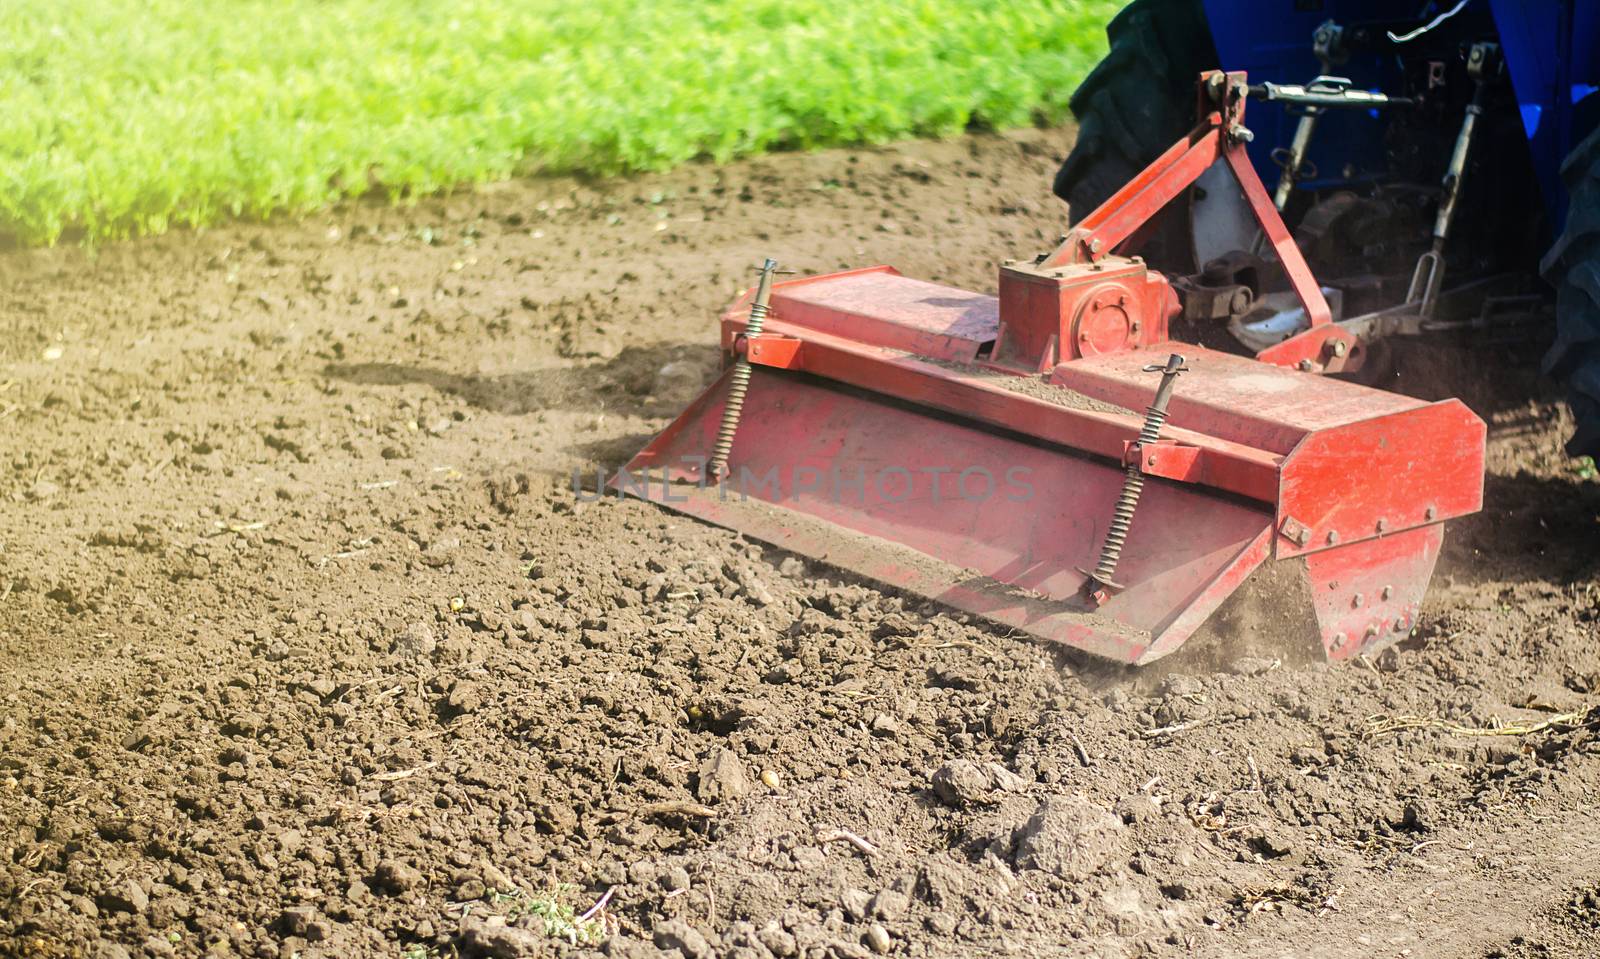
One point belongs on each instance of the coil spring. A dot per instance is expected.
(733, 406)
(1122, 513)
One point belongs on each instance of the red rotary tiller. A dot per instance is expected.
(984, 451)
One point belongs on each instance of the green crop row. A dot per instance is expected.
(120, 117)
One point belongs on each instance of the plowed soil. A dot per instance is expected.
(309, 648)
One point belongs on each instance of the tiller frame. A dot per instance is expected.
(981, 450)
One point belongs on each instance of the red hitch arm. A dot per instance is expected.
(1220, 135)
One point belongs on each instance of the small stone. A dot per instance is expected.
(884, 724)
(960, 783)
(557, 819)
(771, 779)
(470, 889)
(877, 939)
(792, 567)
(722, 777)
(104, 949)
(679, 935)
(941, 924)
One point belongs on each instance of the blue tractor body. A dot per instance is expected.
(1551, 50)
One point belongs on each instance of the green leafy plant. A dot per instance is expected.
(127, 117)
(560, 920)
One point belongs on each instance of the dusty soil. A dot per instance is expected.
(310, 649)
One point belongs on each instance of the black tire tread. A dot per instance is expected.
(1573, 267)
(1136, 102)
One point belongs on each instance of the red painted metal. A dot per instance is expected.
(1234, 397)
(1051, 314)
(970, 448)
(1042, 413)
(1369, 594)
(1167, 459)
(1383, 475)
(983, 520)
(1323, 348)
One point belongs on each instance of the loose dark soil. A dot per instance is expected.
(309, 648)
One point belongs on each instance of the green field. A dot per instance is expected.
(120, 117)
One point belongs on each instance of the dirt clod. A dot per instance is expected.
(679, 935)
(1070, 837)
(396, 877)
(722, 778)
(496, 940)
(962, 782)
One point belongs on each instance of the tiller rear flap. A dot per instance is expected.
(1050, 460)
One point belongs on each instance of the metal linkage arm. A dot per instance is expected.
(1220, 135)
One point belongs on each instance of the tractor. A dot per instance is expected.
(1431, 167)
(1171, 424)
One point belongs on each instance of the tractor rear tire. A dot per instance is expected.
(1132, 106)
(1573, 267)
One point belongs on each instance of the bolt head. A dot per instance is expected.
(1305, 366)
(1383, 525)
(1333, 537)
(1339, 639)
(1340, 347)
(1372, 631)
(1429, 514)
(1388, 591)
(1303, 537)
(1358, 601)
